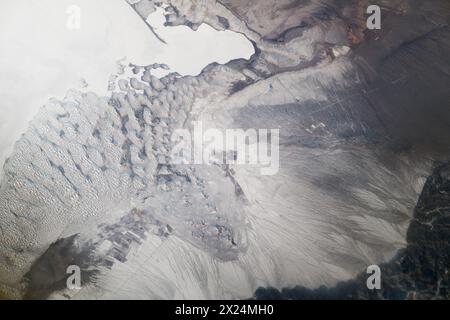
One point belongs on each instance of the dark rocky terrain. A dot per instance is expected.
(420, 271)
(364, 119)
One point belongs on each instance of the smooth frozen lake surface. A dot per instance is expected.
(41, 57)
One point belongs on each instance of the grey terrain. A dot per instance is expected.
(364, 120)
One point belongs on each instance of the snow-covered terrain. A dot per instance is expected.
(363, 118)
(41, 57)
